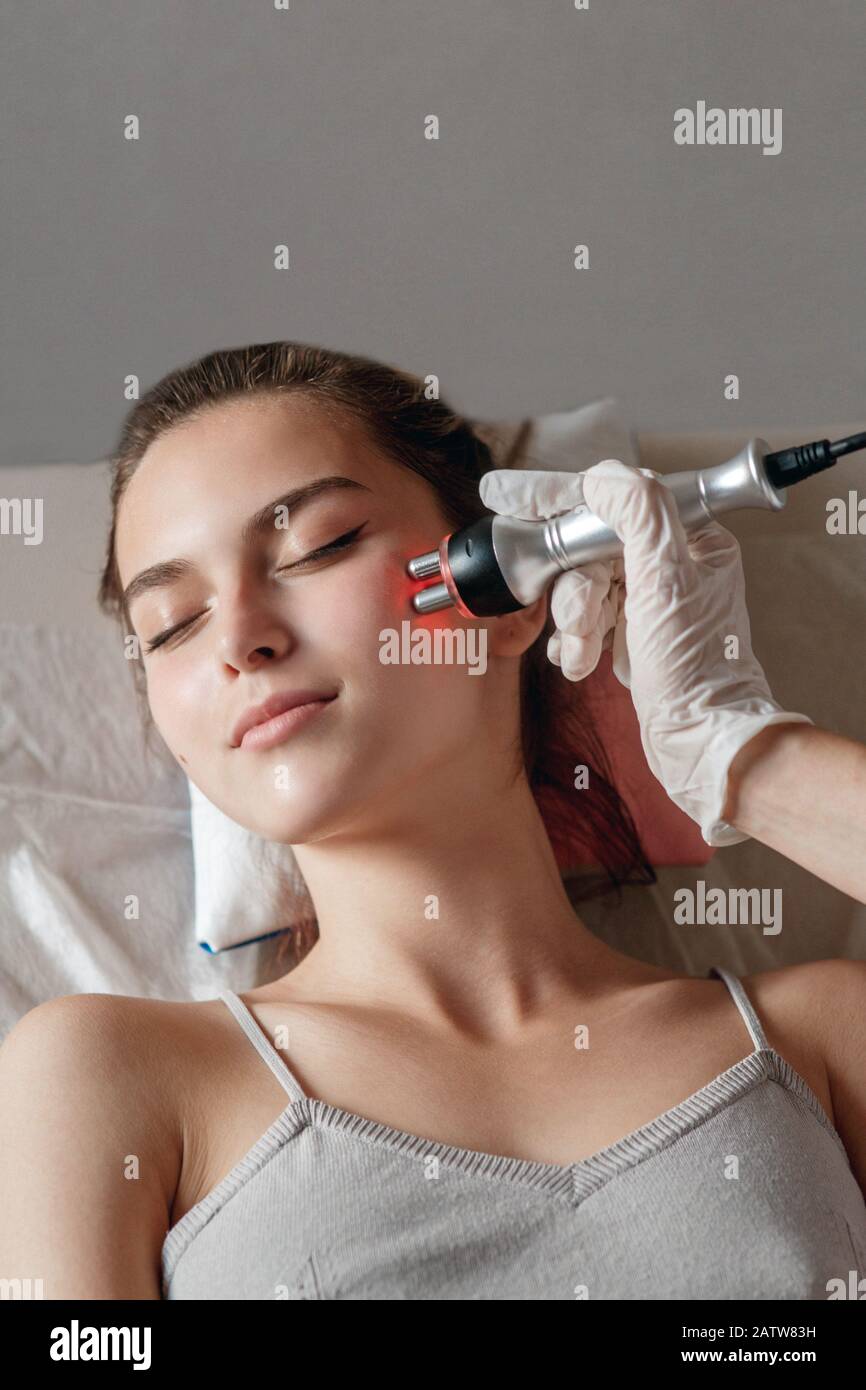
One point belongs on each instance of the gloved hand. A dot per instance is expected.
(682, 641)
(585, 602)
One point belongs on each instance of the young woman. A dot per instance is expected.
(457, 1091)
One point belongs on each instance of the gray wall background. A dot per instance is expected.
(306, 127)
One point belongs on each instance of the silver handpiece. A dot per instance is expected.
(531, 559)
(531, 554)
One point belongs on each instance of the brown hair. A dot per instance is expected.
(407, 422)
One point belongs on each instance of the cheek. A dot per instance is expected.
(427, 701)
(176, 696)
(361, 601)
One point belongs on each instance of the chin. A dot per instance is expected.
(284, 826)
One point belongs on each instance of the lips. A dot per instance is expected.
(275, 705)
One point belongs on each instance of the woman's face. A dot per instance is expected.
(260, 614)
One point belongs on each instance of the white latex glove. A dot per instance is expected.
(585, 602)
(684, 602)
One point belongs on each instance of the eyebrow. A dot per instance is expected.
(167, 572)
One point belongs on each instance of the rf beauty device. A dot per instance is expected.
(501, 563)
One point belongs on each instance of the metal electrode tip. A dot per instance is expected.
(434, 597)
(425, 566)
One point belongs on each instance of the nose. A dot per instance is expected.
(253, 636)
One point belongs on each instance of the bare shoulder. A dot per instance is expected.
(136, 1057)
(91, 1146)
(102, 1053)
(826, 1001)
(70, 1038)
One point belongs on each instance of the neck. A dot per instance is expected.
(460, 921)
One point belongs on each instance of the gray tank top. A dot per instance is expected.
(744, 1190)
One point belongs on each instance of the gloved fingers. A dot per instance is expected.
(573, 653)
(619, 653)
(715, 546)
(642, 511)
(578, 652)
(616, 599)
(577, 656)
(577, 597)
(531, 493)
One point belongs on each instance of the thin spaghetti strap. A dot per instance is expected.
(744, 1004)
(262, 1044)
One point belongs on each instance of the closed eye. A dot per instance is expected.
(339, 544)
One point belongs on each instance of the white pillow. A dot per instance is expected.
(247, 888)
(97, 890)
(96, 887)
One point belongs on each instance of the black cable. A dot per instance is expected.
(849, 445)
(789, 466)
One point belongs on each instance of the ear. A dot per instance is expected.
(511, 634)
